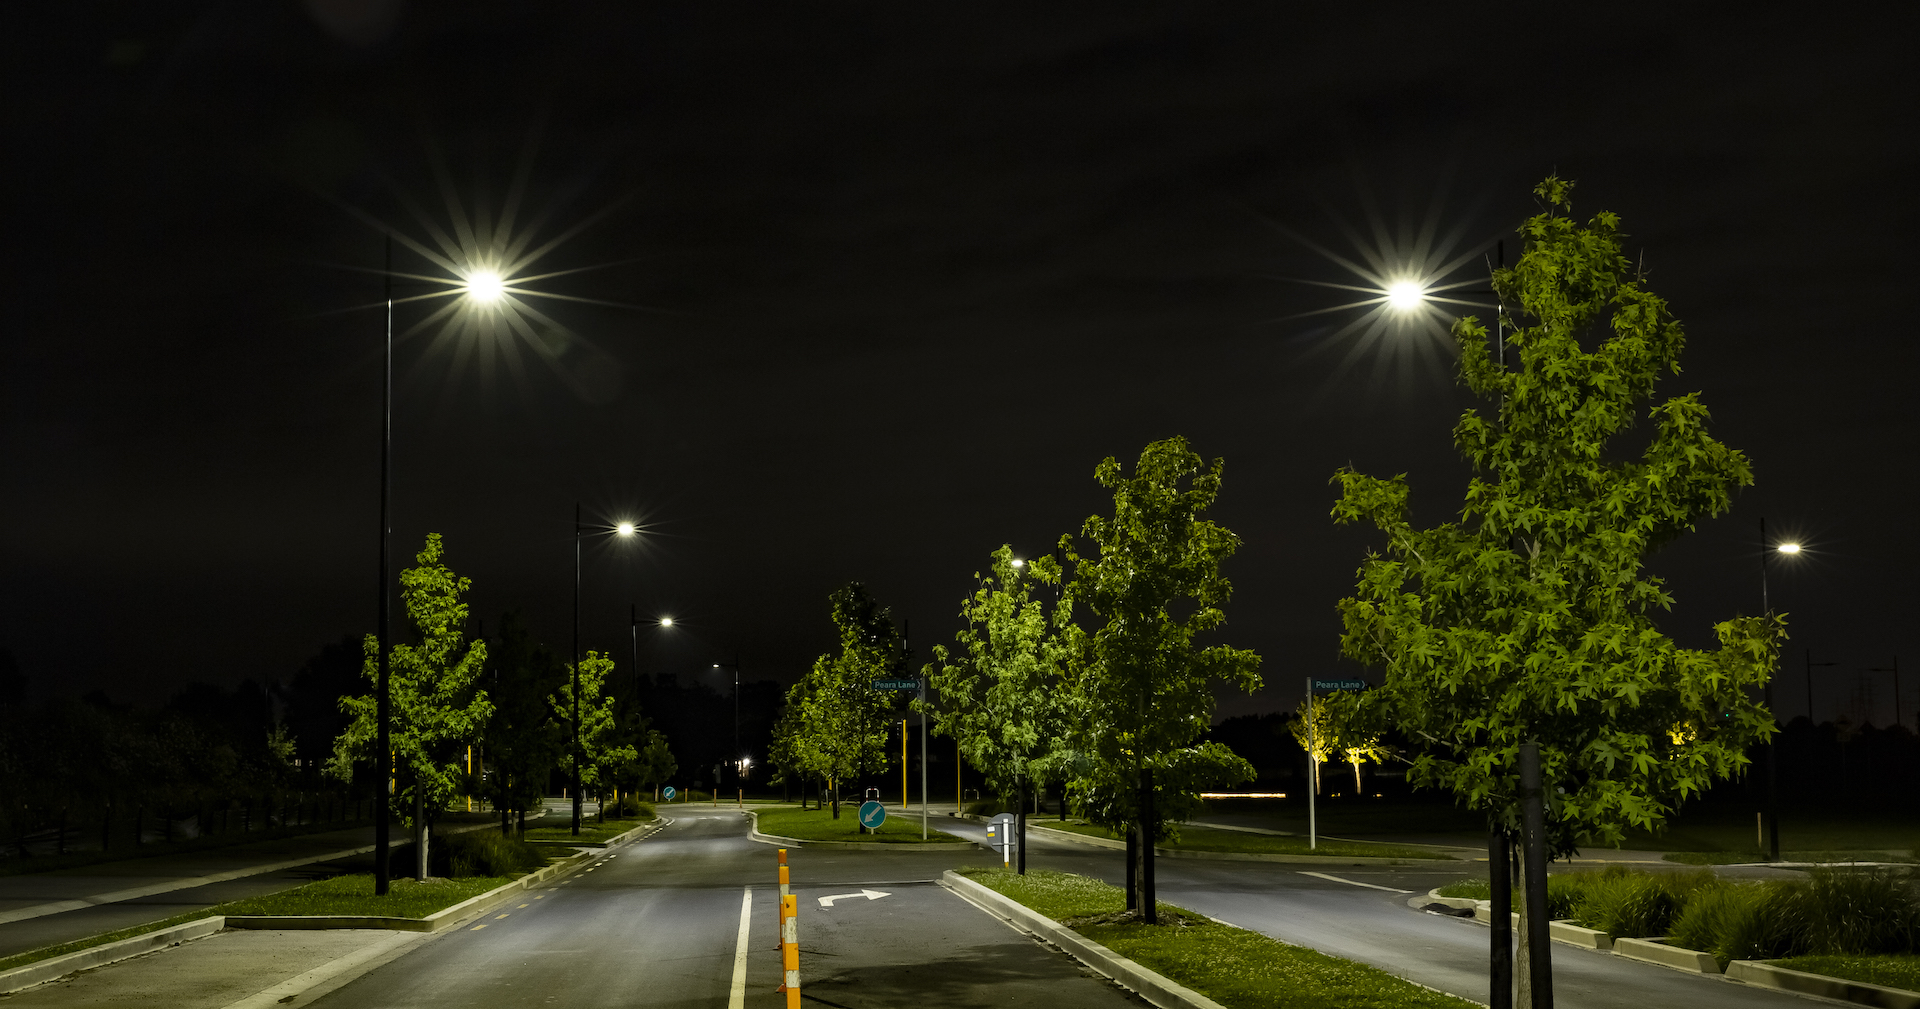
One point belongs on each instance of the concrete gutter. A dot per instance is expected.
(1766, 975)
(51, 968)
(796, 842)
(1148, 984)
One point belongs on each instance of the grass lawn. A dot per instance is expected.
(819, 825)
(353, 894)
(1740, 857)
(591, 830)
(1209, 839)
(1232, 966)
(1894, 970)
(349, 894)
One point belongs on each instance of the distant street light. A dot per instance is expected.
(740, 760)
(1773, 774)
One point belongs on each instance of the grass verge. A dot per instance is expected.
(1894, 970)
(590, 830)
(1194, 838)
(819, 825)
(1232, 966)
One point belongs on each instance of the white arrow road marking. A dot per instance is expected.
(1355, 882)
(869, 894)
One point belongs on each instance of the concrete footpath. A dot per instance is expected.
(237, 968)
(45, 908)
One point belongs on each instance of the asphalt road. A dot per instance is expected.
(1376, 926)
(659, 922)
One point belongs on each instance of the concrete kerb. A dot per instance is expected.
(52, 968)
(1147, 983)
(754, 834)
(1766, 975)
(1559, 931)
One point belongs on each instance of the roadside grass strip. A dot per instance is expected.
(1193, 838)
(1893, 970)
(17, 866)
(1233, 966)
(590, 831)
(62, 949)
(352, 894)
(819, 825)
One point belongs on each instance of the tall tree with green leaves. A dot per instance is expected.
(1143, 685)
(438, 702)
(1000, 688)
(1533, 616)
(604, 747)
(834, 726)
(522, 742)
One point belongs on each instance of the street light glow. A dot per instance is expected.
(666, 621)
(1788, 548)
(1405, 296)
(485, 286)
(1018, 563)
(624, 529)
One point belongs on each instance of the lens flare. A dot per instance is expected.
(485, 286)
(1405, 296)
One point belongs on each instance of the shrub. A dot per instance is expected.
(1859, 913)
(483, 853)
(1624, 904)
(628, 808)
(984, 807)
(1744, 921)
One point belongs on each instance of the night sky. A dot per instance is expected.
(883, 284)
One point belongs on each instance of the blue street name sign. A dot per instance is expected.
(872, 815)
(668, 792)
(896, 684)
(1339, 684)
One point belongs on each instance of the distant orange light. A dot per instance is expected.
(1243, 795)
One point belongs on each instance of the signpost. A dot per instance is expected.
(1001, 833)
(1313, 762)
(896, 684)
(872, 815)
(668, 792)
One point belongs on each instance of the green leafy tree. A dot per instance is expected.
(605, 745)
(522, 742)
(653, 763)
(834, 725)
(1000, 688)
(1533, 617)
(1143, 687)
(437, 703)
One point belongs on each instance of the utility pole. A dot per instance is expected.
(576, 669)
(383, 738)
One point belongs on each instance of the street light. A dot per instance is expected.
(740, 761)
(1789, 548)
(623, 529)
(383, 702)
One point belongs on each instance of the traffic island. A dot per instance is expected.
(1189, 961)
(816, 828)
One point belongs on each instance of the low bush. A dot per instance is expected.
(483, 853)
(984, 807)
(1624, 903)
(628, 808)
(1859, 912)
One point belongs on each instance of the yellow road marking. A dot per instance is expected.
(523, 905)
(478, 927)
(497, 917)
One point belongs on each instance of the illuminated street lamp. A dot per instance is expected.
(480, 287)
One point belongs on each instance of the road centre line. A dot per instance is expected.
(1354, 882)
(737, 997)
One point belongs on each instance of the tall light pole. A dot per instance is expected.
(739, 759)
(575, 671)
(383, 705)
(1767, 549)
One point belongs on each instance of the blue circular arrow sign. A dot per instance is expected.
(872, 815)
(668, 791)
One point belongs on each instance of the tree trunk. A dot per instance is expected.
(419, 834)
(1149, 908)
(139, 826)
(1500, 955)
(1357, 787)
(834, 788)
(1133, 868)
